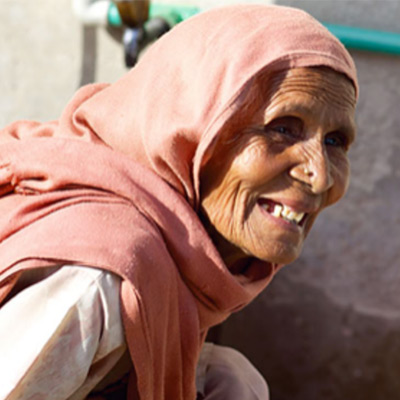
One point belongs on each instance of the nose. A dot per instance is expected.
(313, 168)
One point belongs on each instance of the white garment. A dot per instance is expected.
(61, 336)
(225, 374)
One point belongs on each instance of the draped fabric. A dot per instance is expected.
(114, 183)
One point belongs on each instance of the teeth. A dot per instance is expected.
(277, 211)
(286, 211)
(282, 211)
(298, 217)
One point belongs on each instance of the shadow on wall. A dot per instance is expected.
(89, 55)
(326, 351)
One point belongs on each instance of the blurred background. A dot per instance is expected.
(328, 327)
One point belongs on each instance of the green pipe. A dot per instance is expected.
(351, 37)
(366, 39)
(172, 14)
(179, 12)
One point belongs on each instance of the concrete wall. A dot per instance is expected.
(328, 327)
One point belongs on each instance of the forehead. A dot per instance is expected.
(320, 93)
(321, 82)
(318, 85)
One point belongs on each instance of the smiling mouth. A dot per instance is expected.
(284, 212)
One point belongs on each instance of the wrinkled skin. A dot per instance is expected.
(291, 151)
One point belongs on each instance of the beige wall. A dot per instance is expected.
(328, 327)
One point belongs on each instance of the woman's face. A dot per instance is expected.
(277, 169)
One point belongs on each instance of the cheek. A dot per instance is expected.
(249, 156)
(341, 177)
(255, 165)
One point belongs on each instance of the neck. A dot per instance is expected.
(235, 259)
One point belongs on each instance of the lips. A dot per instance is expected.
(283, 211)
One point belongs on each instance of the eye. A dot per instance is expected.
(287, 126)
(337, 139)
(282, 129)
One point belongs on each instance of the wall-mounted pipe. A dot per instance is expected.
(351, 37)
(172, 14)
(105, 12)
(92, 13)
(366, 39)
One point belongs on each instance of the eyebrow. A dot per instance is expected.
(347, 125)
(350, 130)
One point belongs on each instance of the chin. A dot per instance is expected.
(280, 255)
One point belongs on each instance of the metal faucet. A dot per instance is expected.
(139, 30)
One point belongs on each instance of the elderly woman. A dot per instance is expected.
(157, 206)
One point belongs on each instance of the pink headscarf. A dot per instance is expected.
(114, 183)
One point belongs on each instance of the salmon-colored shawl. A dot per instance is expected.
(114, 183)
